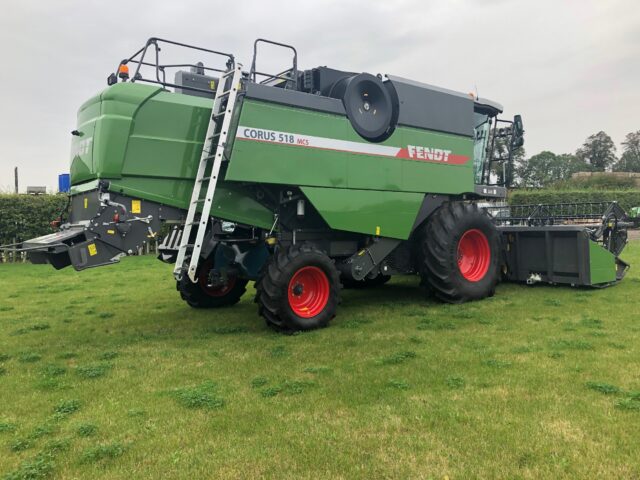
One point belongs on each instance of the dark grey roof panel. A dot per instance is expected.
(294, 98)
(427, 86)
(490, 107)
(433, 108)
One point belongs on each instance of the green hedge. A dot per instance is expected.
(626, 198)
(599, 180)
(27, 216)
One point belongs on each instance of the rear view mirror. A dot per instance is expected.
(518, 131)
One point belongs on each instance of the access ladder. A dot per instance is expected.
(212, 150)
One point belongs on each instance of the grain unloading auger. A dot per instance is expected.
(307, 181)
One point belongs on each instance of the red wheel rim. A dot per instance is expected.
(474, 255)
(308, 292)
(214, 290)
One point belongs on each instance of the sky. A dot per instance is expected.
(570, 68)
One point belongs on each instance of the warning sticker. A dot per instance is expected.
(86, 202)
(136, 206)
(92, 249)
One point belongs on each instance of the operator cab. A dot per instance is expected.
(495, 141)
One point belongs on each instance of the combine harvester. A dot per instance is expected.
(305, 181)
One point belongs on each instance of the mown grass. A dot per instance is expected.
(107, 374)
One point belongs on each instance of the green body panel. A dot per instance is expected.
(147, 143)
(292, 165)
(82, 167)
(387, 214)
(139, 130)
(602, 264)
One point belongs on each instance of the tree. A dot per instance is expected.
(501, 151)
(546, 167)
(630, 159)
(598, 151)
(568, 164)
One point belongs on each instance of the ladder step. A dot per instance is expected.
(228, 74)
(200, 200)
(208, 157)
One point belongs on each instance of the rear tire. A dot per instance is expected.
(203, 295)
(299, 289)
(460, 253)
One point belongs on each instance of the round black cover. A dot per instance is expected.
(368, 104)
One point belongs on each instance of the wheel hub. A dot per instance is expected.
(474, 255)
(308, 292)
(213, 282)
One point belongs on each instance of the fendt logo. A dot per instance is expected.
(82, 147)
(426, 153)
(411, 152)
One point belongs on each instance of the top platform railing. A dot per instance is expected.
(288, 76)
(149, 56)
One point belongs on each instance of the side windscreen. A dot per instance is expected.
(481, 130)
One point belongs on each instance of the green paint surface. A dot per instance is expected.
(293, 165)
(141, 132)
(147, 143)
(602, 264)
(387, 214)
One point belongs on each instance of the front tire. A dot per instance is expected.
(460, 253)
(203, 294)
(299, 289)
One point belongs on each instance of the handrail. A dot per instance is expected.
(253, 73)
(140, 58)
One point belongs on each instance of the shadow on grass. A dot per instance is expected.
(406, 292)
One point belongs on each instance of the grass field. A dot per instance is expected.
(107, 374)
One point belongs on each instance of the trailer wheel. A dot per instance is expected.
(299, 289)
(202, 294)
(460, 250)
(348, 282)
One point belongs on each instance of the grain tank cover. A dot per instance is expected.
(433, 108)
